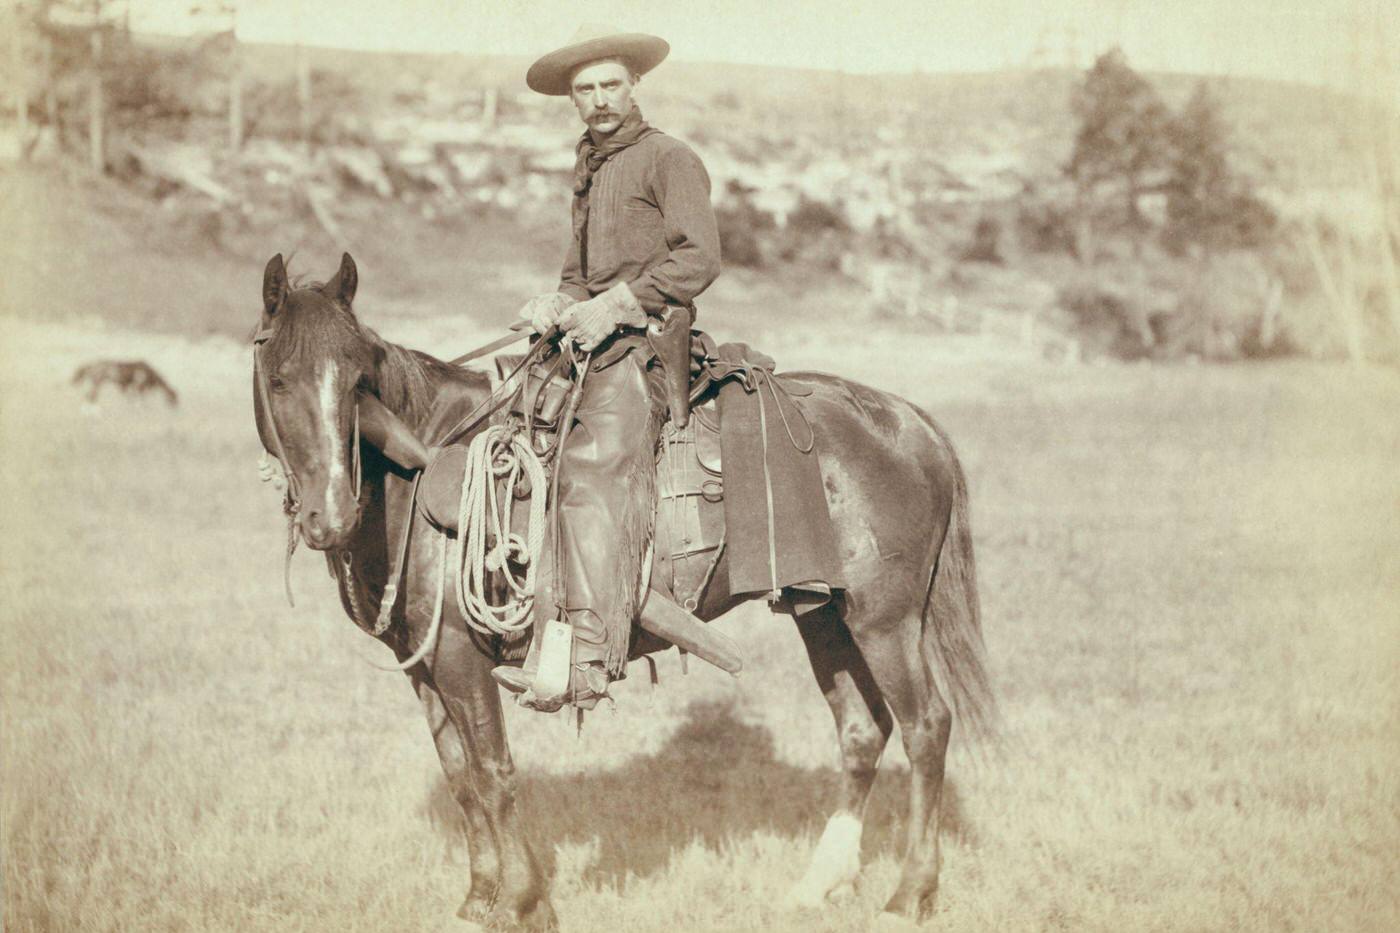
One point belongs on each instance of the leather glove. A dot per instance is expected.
(590, 322)
(543, 311)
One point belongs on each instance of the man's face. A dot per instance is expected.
(602, 92)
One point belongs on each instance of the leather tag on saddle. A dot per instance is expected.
(440, 488)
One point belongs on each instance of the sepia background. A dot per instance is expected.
(1141, 260)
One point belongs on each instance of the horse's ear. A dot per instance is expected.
(274, 284)
(342, 287)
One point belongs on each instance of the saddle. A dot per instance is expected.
(689, 527)
(780, 540)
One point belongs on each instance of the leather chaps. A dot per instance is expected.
(607, 490)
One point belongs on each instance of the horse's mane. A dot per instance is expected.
(406, 376)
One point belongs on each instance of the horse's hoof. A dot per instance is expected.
(539, 920)
(808, 897)
(887, 921)
(802, 897)
(476, 910)
(814, 893)
(460, 925)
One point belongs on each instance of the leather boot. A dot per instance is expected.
(588, 683)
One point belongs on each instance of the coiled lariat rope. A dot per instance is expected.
(496, 453)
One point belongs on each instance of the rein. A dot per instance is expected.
(291, 501)
(489, 405)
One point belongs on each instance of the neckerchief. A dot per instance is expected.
(590, 158)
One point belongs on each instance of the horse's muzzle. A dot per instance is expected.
(322, 534)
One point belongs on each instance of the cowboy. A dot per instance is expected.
(645, 243)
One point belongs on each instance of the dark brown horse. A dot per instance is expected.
(904, 645)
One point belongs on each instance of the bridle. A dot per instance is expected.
(291, 501)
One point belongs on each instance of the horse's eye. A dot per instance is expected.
(276, 383)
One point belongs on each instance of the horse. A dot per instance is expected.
(131, 377)
(903, 644)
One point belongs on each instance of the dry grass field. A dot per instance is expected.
(1191, 587)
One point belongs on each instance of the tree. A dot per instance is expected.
(65, 24)
(1210, 205)
(1120, 141)
(19, 77)
(222, 16)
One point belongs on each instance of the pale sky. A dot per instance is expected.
(1317, 41)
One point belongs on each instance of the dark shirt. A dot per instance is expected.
(650, 224)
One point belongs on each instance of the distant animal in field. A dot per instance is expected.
(131, 377)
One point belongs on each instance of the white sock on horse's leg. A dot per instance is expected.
(835, 862)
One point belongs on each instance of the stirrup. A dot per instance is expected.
(582, 692)
(515, 679)
(518, 679)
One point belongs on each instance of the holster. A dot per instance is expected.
(668, 333)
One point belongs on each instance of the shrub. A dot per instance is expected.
(984, 245)
(815, 217)
(888, 241)
(726, 100)
(1043, 226)
(739, 242)
(1113, 322)
(741, 226)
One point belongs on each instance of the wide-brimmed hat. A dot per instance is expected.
(593, 42)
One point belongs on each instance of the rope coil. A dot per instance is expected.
(499, 452)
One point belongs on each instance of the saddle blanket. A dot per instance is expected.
(773, 481)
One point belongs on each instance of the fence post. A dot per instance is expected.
(96, 104)
(21, 84)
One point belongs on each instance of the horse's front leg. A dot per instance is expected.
(481, 842)
(462, 675)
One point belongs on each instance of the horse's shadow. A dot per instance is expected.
(716, 779)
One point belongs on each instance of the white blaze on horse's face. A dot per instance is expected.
(335, 444)
(330, 510)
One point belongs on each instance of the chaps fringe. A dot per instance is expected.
(635, 527)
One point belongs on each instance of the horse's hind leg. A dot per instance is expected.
(485, 859)
(896, 659)
(863, 727)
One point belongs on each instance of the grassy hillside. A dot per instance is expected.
(923, 202)
(1189, 578)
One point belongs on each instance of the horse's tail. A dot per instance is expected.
(952, 629)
